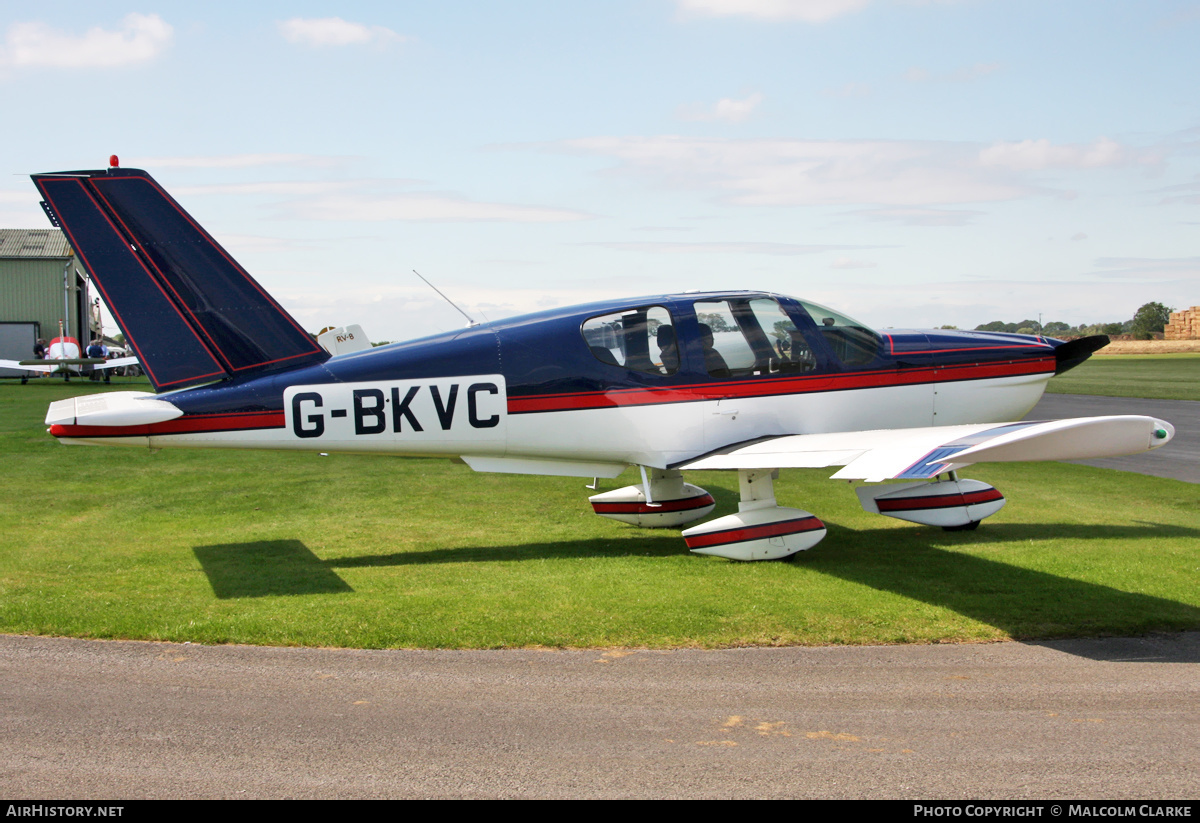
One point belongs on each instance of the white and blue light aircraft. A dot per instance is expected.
(745, 381)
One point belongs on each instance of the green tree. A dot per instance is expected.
(1150, 318)
(715, 321)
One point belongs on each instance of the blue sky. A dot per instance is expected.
(912, 163)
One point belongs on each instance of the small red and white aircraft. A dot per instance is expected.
(745, 381)
(62, 357)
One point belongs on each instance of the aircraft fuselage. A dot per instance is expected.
(542, 389)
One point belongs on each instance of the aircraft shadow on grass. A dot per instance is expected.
(282, 567)
(1021, 602)
(265, 568)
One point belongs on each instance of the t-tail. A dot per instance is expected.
(190, 312)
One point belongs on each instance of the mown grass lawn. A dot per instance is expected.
(297, 549)
(1158, 376)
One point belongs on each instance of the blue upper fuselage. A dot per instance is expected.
(720, 339)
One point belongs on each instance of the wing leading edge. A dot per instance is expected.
(922, 453)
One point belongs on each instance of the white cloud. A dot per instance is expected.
(1028, 155)
(969, 302)
(786, 249)
(277, 187)
(403, 311)
(726, 109)
(920, 216)
(847, 263)
(812, 172)
(374, 200)
(427, 207)
(242, 161)
(19, 210)
(333, 31)
(141, 37)
(1188, 193)
(1151, 268)
(246, 244)
(808, 11)
(885, 173)
(18, 198)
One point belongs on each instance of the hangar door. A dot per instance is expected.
(16, 343)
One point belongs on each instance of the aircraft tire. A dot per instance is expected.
(965, 527)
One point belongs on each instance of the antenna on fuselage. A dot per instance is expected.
(470, 320)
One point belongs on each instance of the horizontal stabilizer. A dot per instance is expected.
(120, 408)
(118, 362)
(45, 366)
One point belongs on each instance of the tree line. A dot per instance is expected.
(1146, 321)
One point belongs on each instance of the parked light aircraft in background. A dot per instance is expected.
(62, 357)
(742, 380)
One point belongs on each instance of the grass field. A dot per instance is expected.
(297, 549)
(1161, 376)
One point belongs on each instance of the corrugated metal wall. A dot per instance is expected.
(31, 282)
(32, 291)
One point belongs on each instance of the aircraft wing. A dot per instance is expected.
(923, 453)
(117, 363)
(16, 364)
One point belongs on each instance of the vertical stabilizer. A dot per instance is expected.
(189, 310)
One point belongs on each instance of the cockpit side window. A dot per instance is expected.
(747, 336)
(639, 339)
(852, 342)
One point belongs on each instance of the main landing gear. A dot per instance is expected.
(764, 530)
(671, 502)
(953, 504)
(761, 530)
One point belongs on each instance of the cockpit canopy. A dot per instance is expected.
(737, 335)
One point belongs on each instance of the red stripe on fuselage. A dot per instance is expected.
(772, 386)
(614, 398)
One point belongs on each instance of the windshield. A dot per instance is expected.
(854, 343)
